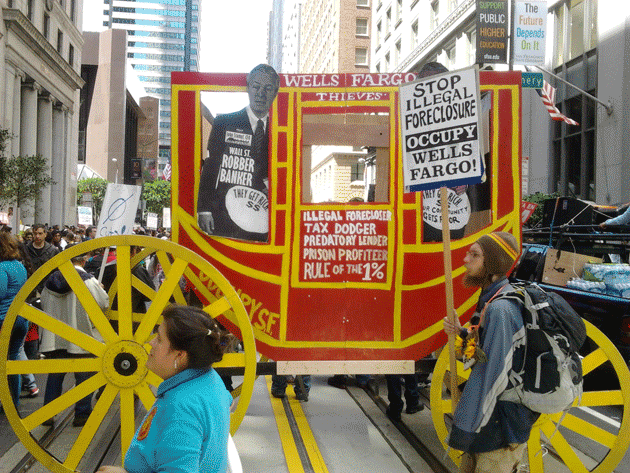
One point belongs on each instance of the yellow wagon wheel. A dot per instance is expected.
(118, 360)
(582, 443)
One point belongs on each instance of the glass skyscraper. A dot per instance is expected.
(162, 37)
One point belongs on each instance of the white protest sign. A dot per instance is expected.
(441, 123)
(119, 210)
(166, 217)
(85, 216)
(530, 25)
(152, 220)
(458, 209)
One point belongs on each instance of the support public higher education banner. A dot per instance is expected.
(441, 122)
(492, 31)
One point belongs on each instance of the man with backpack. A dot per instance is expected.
(490, 431)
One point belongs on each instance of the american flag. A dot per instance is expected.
(167, 172)
(548, 96)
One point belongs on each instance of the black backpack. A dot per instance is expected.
(550, 378)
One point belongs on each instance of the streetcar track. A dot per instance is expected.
(434, 462)
(107, 445)
(45, 441)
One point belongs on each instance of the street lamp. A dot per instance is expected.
(115, 161)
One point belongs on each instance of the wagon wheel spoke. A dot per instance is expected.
(166, 267)
(59, 328)
(87, 301)
(127, 424)
(145, 395)
(63, 402)
(89, 430)
(123, 281)
(161, 300)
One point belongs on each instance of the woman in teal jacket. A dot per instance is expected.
(186, 430)
(12, 278)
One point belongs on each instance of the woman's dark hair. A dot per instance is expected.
(192, 330)
(9, 249)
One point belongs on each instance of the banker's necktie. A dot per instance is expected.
(259, 138)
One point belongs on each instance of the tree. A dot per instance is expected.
(23, 178)
(95, 186)
(157, 195)
(537, 198)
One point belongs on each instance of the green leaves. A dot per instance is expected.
(537, 198)
(157, 195)
(95, 186)
(23, 177)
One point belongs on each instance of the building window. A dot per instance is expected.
(29, 9)
(472, 47)
(451, 54)
(397, 53)
(386, 62)
(73, 10)
(356, 172)
(362, 26)
(398, 11)
(379, 30)
(388, 21)
(363, 3)
(576, 29)
(46, 31)
(360, 57)
(378, 67)
(435, 14)
(59, 41)
(414, 34)
(71, 55)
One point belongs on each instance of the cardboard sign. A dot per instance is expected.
(166, 217)
(560, 266)
(119, 210)
(152, 221)
(527, 209)
(530, 35)
(441, 123)
(85, 216)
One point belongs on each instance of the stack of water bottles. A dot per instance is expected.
(609, 279)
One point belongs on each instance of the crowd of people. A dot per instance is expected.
(490, 431)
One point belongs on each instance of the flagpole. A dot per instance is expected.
(608, 106)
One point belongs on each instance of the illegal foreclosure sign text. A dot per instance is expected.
(440, 122)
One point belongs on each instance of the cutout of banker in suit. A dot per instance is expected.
(234, 185)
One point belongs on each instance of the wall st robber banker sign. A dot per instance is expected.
(440, 123)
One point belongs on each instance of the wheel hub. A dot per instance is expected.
(124, 364)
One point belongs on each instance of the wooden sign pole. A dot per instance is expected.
(448, 286)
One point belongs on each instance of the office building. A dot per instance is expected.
(162, 37)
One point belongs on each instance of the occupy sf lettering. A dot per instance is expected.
(260, 317)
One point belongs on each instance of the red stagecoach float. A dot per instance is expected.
(352, 280)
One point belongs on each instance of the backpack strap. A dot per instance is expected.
(483, 311)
